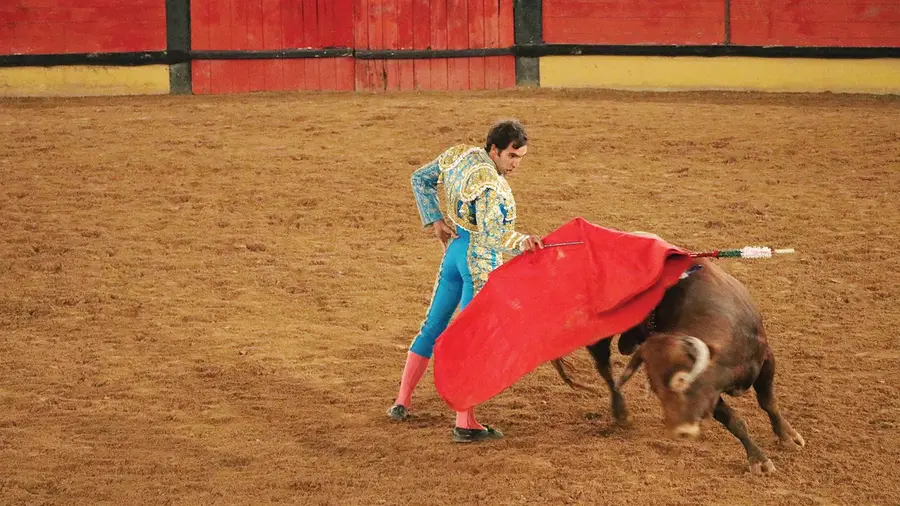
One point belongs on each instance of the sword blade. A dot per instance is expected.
(571, 243)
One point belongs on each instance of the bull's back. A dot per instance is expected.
(710, 303)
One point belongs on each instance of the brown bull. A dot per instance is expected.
(705, 338)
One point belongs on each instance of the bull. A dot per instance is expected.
(704, 339)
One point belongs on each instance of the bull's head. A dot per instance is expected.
(675, 365)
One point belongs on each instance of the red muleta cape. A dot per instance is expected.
(544, 305)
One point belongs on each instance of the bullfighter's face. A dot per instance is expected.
(508, 160)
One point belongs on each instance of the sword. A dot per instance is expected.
(562, 244)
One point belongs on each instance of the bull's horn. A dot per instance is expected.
(682, 380)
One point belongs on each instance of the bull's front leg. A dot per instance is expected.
(759, 463)
(765, 396)
(600, 351)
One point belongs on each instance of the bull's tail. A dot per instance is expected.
(562, 367)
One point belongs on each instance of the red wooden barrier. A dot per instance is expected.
(634, 21)
(271, 25)
(85, 26)
(428, 24)
(845, 23)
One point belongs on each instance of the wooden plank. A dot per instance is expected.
(310, 25)
(292, 28)
(328, 74)
(375, 68)
(658, 9)
(491, 11)
(405, 35)
(33, 39)
(274, 74)
(239, 25)
(254, 24)
(633, 31)
(219, 81)
(361, 41)
(506, 23)
(96, 15)
(344, 22)
(457, 24)
(361, 24)
(359, 75)
(200, 24)
(627, 22)
(200, 77)
(273, 33)
(256, 69)
(421, 26)
(491, 39)
(439, 68)
(477, 78)
(43, 4)
(846, 34)
(421, 74)
(407, 75)
(219, 26)
(457, 38)
(310, 40)
(816, 10)
(346, 74)
(851, 23)
(240, 69)
(293, 69)
(390, 25)
(376, 24)
(325, 24)
(87, 36)
(507, 66)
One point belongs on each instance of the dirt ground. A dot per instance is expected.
(208, 300)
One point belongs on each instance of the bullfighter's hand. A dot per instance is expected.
(443, 232)
(532, 243)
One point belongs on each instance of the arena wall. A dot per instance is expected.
(100, 47)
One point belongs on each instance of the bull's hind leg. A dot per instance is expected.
(600, 351)
(759, 463)
(765, 395)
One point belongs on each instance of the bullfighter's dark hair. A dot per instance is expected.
(504, 133)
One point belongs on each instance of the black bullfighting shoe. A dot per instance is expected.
(473, 435)
(398, 413)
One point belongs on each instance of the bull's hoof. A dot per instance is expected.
(620, 412)
(760, 468)
(792, 440)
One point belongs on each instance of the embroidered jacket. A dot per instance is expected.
(477, 199)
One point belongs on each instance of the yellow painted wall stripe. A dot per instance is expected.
(880, 76)
(83, 80)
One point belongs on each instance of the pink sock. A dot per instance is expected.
(466, 420)
(416, 365)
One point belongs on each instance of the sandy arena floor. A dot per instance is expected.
(207, 300)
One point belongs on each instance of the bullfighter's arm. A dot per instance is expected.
(424, 185)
